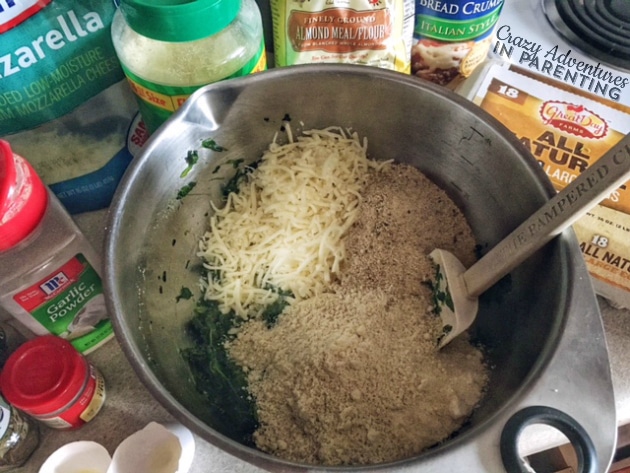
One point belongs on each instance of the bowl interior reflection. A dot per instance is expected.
(154, 236)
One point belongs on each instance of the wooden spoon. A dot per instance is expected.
(457, 289)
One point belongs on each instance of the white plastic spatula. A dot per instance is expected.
(457, 288)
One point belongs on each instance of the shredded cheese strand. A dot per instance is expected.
(284, 228)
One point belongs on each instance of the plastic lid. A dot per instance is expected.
(179, 20)
(44, 375)
(23, 198)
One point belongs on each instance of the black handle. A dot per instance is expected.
(580, 440)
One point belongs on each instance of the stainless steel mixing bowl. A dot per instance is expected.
(543, 329)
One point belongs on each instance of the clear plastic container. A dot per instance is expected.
(169, 50)
(49, 272)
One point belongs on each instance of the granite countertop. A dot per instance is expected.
(130, 407)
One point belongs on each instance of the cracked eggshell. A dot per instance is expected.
(153, 449)
(78, 457)
(187, 442)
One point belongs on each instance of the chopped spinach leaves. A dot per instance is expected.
(191, 159)
(441, 297)
(242, 172)
(185, 294)
(445, 331)
(212, 145)
(216, 376)
(236, 163)
(185, 190)
(272, 311)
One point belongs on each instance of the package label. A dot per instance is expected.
(95, 396)
(310, 31)
(70, 303)
(40, 71)
(64, 104)
(451, 38)
(604, 237)
(374, 33)
(157, 102)
(566, 131)
(12, 13)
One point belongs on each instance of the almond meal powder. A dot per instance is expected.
(354, 376)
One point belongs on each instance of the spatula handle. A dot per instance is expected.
(561, 211)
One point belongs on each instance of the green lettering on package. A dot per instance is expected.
(77, 313)
(456, 30)
(41, 76)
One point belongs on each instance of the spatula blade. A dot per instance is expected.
(452, 303)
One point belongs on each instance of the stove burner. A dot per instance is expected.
(600, 28)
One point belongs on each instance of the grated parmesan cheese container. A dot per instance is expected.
(171, 48)
(49, 272)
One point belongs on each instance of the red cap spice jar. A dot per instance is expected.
(51, 381)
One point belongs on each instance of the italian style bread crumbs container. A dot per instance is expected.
(567, 130)
(171, 48)
(369, 32)
(451, 38)
(48, 270)
(49, 380)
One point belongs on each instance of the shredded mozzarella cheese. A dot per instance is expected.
(283, 229)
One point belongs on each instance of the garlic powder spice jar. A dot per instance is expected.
(49, 272)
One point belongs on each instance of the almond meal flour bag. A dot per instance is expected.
(369, 32)
(64, 104)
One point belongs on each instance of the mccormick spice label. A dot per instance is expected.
(451, 38)
(69, 303)
(566, 131)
